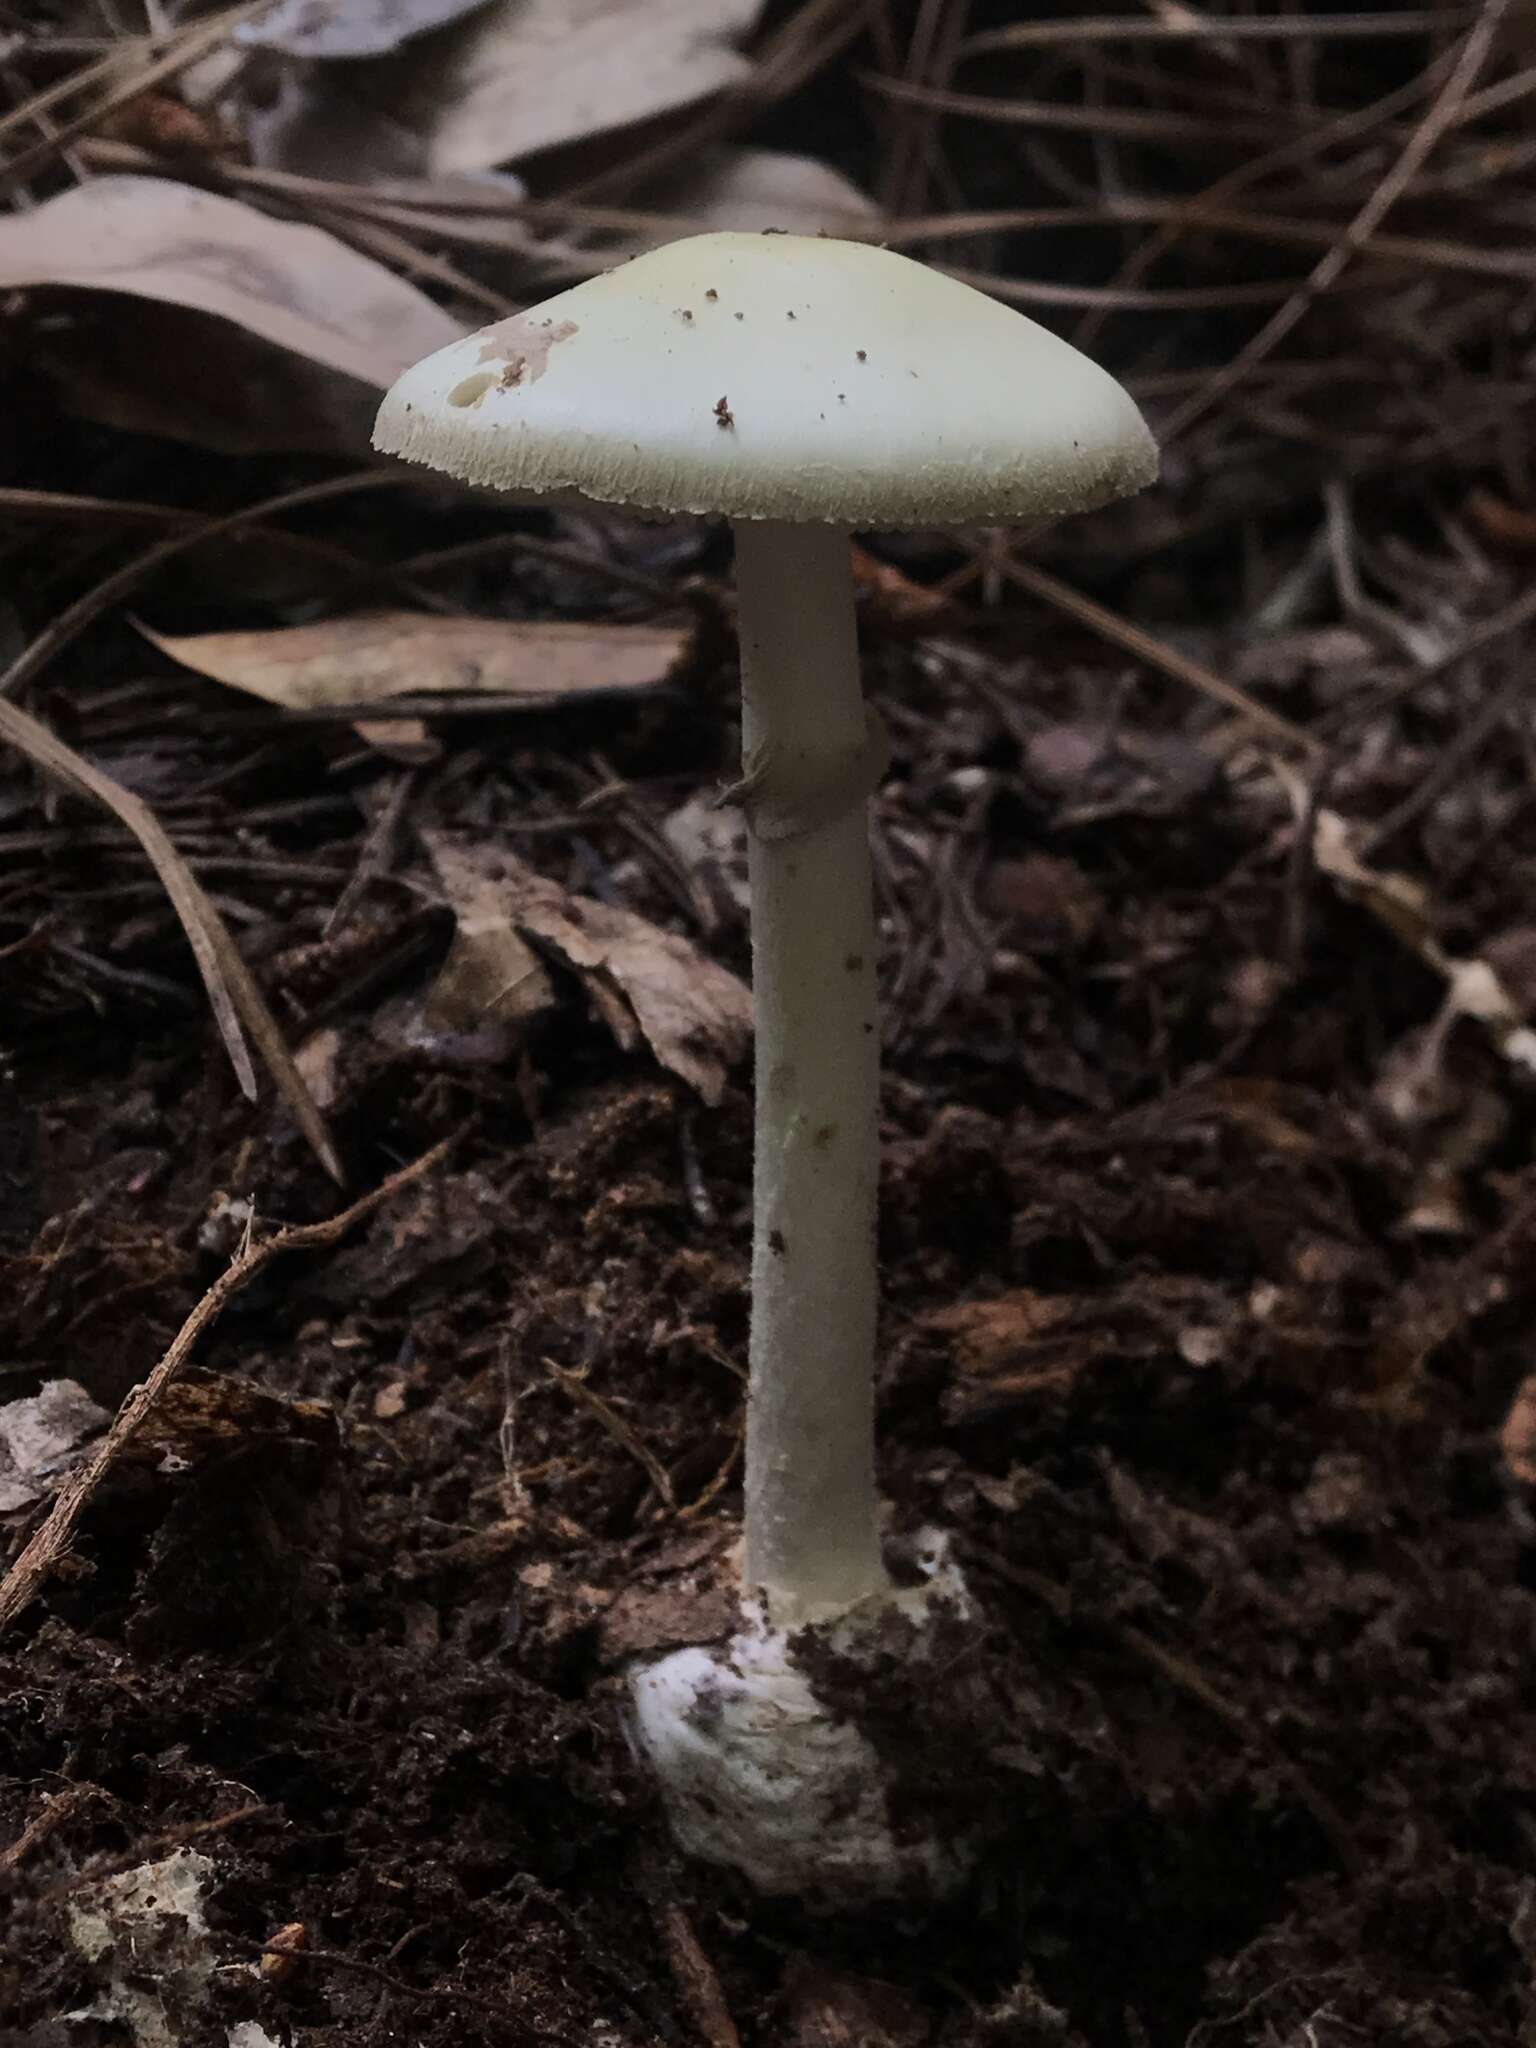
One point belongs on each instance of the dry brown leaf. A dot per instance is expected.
(525, 75)
(233, 994)
(292, 285)
(372, 657)
(695, 1016)
(348, 323)
(492, 975)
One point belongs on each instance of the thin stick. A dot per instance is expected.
(618, 1429)
(1159, 654)
(232, 989)
(26, 1577)
(70, 624)
(1185, 26)
(1437, 121)
(191, 43)
(1452, 762)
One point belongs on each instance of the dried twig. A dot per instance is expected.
(190, 43)
(1441, 116)
(618, 1429)
(1145, 646)
(697, 1984)
(235, 998)
(1189, 1679)
(496, 2013)
(70, 624)
(41, 1555)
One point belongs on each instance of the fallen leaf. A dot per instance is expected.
(492, 976)
(348, 324)
(350, 28)
(524, 75)
(372, 657)
(292, 285)
(695, 1016)
(205, 1414)
(990, 1337)
(39, 1436)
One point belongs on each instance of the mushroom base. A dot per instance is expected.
(761, 1771)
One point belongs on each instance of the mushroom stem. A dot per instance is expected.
(812, 1544)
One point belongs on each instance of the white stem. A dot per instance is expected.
(811, 1539)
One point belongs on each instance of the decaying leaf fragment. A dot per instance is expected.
(40, 1436)
(1450, 1121)
(143, 1934)
(372, 657)
(644, 982)
(492, 976)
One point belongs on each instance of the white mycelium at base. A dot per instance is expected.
(759, 1774)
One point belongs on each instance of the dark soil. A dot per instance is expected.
(1217, 1435)
(1208, 1233)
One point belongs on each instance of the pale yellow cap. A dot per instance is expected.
(777, 377)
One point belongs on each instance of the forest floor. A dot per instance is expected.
(1208, 1244)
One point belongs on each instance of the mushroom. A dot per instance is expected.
(802, 388)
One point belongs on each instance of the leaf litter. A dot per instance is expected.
(643, 981)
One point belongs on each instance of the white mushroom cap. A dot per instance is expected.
(777, 377)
